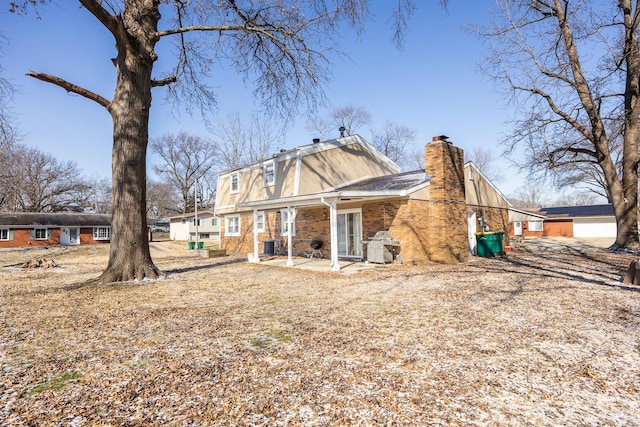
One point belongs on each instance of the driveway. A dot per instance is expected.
(571, 244)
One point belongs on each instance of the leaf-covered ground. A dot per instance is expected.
(534, 339)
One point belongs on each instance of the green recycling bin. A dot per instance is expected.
(192, 245)
(200, 245)
(489, 243)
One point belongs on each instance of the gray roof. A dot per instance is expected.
(395, 182)
(27, 219)
(578, 211)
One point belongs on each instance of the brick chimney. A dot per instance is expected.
(444, 163)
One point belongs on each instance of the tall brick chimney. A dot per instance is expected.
(444, 163)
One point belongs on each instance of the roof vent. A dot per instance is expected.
(316, 140)
(342, 129)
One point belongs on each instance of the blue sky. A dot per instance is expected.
(431, 86)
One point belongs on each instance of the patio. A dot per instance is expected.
(322, 264)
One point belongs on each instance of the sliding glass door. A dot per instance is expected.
(350, 233)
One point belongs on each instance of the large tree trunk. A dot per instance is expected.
(129, 256)
(631, 123)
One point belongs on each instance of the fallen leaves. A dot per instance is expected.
(531, 339)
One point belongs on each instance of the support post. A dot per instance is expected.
(255, 257)
(289, 236)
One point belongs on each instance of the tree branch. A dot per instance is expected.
(96, 9)
(70, 87)
(164, 82)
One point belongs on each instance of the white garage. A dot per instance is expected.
(594, 227)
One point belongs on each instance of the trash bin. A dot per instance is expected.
(192, 245)
(200, 245)
(490, 243)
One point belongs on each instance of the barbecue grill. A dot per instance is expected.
(381, 247)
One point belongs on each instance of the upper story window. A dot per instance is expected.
(234, 185)
(214, 222)
(196, 222)
(269, 173)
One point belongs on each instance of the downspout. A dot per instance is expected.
(333, 227)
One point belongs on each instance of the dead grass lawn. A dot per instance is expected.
(533, 339)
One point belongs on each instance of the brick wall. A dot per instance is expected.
(21, 238)
(447, 210)
(243, 244)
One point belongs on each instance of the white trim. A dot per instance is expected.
(264, 218)
(101, 233)
(312, 148)
(296, 178)
(231, 190)
(227, 233)
(535, 221)
(289, 221)
(9, 234)
(274, 166)
(491, 184)
(346, 212)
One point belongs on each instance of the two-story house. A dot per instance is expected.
(343, 191)
(188, 226)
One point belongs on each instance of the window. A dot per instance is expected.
(235, 183)
(269, 173)
(6, 234)
(214, 222)
(284, 217)
(471, 175)
(260, 222)
(184, 220)
(40, 234)
(102, 233)
(232, 224)
(196, 222)
(535, 226)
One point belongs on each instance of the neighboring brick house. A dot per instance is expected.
(19, 229)
(565, 221)
(343, 191)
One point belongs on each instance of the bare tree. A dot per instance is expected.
(485, 160)
(281, 47)
(532, 196)
(99, 195)
(185, 158)
(7, 129)
(162, 200)
(239, 142)
(394, 140)
(575, 68)
(347, 120)
(41, 183)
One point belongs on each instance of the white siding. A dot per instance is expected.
(178, 230)
(594, 227)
